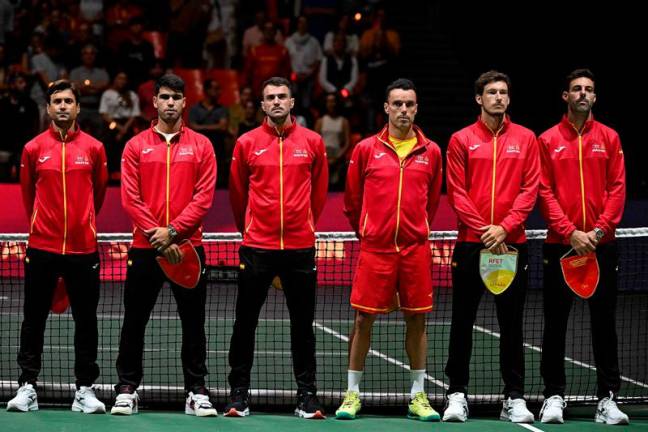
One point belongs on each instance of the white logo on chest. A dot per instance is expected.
(473, 147)
(44, 159)
(185, 151)
(147, 150)
(260, 152)
(379, 155)
(300, 153)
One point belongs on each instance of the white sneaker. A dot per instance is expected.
(199, 405)
(552, 410)
(515, 410)
(456, 408)
(25, 399)
(607, 412)
(86, 401)
(125, 404)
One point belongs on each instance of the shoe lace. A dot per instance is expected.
(556, 401)
(202, 401)
(422, 399)
(350, 399)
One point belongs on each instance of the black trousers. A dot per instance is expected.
(144, 279)
(558, 299)
(81, 276)
(467, 291)
(296, 269)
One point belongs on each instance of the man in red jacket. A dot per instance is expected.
(63, 178)
(582, 193)
(492, 176)
(392, 193)
(168, 179)
(278, 184)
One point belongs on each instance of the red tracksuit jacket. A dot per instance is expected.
(391, 203)
(583, 180)
(492, 178)
(278, 185)
(63, 181)
(168, 183)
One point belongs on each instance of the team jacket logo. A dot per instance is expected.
(81, 160)
(513, 148)
(44, 159)
(422, 159)
(147, 150)
(598, 148)
(301, 153)
(559, 149)
(379, 155)
(473, 147)
(260, 152)
(186, 151)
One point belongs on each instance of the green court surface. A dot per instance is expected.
(59, 420)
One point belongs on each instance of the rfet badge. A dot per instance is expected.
(497, 271)
(581, 273)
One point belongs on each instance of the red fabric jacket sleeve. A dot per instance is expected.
(203, 196)
(524, 202)
(319, 181)
(238, 186)
(434, 194)
(132, 201)
(456, 182)
(27, 181)
(353, 192)
(550, 208)
(100, 178)
(616, 189)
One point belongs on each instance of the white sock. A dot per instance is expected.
(418, 375)
(354, 378)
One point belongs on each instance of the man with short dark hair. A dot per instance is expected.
(278, 184)
(168, 179)
(63, 178)
(392, 193)
(492, 175)
(582, 194)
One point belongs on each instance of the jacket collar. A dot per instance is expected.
(421, 139)
(483, 127)
(564, 122)
(274, 132)
(71, 133)
(154, 123)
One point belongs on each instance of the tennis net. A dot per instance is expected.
(386, 378)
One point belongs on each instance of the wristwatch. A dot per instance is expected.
(172, 232)
(599, 233)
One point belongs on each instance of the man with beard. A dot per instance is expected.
(168, 178)
(493, 174)
(63, 180)
(582, 193)
(392, 193)
(278, 182)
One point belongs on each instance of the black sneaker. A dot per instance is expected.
(309, 406)
(239, 405)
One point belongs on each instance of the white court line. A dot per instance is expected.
(569, 359)
(529, 427)
(379, 354)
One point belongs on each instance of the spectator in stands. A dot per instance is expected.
(20, 114)
(44, 70)
(250, 120)
(277, 189)
(136, 53)
(79, 39)
(63, 188)
(216, 50)
(493, 171)
(4, 68)
(305, 57)
(582, 194)
(343, 28)
(254, 35)
(188, 31)
(336, 134)
(339, 70)
(165, 210)
(266, 60)
(392, 193)
(237, 110)
(210, 118)
(119, 108)
(146, 91)
(118, 17)
(91, 81)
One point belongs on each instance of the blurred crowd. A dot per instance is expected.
(339, 55)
